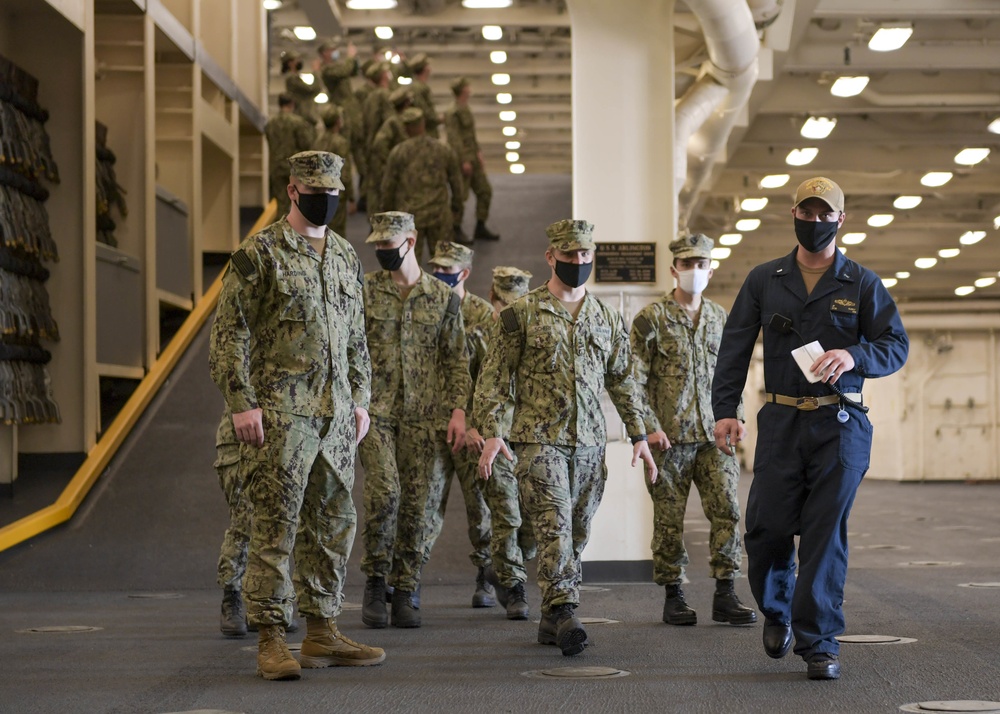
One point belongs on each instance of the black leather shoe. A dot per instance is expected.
(777, 638)
(570, 635)
(823, 666)
(675, 608)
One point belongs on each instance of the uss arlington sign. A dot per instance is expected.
(625, 263)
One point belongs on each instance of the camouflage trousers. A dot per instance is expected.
(404, 480)
(561, 488)
(300, 485)
(513, 541)
(280, 178)
(233, 554)
(430, 235)
(477, 513)
(716, 476)
(481, 189)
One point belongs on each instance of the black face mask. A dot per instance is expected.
(573, 274)
(814, 236)
(390, 258)
(318, 208)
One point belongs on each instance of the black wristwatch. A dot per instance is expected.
(637, 438)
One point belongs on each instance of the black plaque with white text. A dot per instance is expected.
(625, 263)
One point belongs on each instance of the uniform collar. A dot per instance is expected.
(843, 269)
(299, 243)
(549, 302)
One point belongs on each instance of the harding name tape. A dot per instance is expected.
(805, 356)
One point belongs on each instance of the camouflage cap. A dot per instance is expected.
(509, 283)
(570, 234)
(419, 62)
(388, 225)
(411, 115)
(697, 245)
(822, 188)
(375, 70)
(331, 113)
(400, 95)
(330, 44)
(457, 85)
(452, 255)
(319, 169)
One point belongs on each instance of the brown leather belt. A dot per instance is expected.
(807, 404)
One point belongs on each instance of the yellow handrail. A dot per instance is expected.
(100, 456)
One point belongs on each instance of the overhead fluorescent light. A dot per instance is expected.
(879, 220)
(936, 178)
(964, 290)
(715, 264)
(925, 263)
(500, 79)
(848, 86)
(383, 32)
(904, 203)
(949, 252)
(903, 274)
(747, 224)
(842, 249)
(504, 98)
(774, 180)
(753, 204)
(304, 32)
(487, 4)
(498, 56)
(853, 238)
(404, 80)
(818, 127)
(994, 126)
(730, 239)
(971, 157)
(984, 282)
(971, 237)
(889, 282)
(307, 77)
(508, 115)
(512, 145)
(272, 4)
(517, 168)
(890, 36)
(721, 253)
(321, 98)
(513, 156)
(371, 4)
(801, 157)
(492, 32)
(509, 131)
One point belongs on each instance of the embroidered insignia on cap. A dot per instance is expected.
(819, 186)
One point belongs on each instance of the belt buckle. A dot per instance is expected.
(807, 404)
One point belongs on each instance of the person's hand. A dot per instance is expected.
(474, 441)
(491, 448)
(456, 430)
(467, 168)
(658, 440)
(832, 364)
(641, 451)
(249, 427)
(728, 433)
(352, 207)
(362, 422)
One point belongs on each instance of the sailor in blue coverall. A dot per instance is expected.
(810, 459)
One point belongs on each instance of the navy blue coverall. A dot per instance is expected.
(808, 466)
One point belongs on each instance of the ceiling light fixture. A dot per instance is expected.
(508, 115)
(512, 145)
(500, 79)
(509, 131)
(747, 224)
(321, 98)
(936, 178)
(498, 56)
(404, 80)
(307, 77)
(715, 264)
(971, 237)
(272, 4)
(730, 239)
(994, 127)
(721, 253)
(304, 33)
(492, 32)
(774, 180)
(890, 36)
(801, 157)
(880, 220)
(925, 263)
(371, 4)
(905, 203)
(903, 274)
(889, 282)
(753, 204)
(486, 4)
(504, 98)
(971, 157)
(517, 168)
(984, 282)
(383, 32)
(513, 156)
(853, 238)
(949, 252)
(848, 86)
(818, 127)
(964, 290)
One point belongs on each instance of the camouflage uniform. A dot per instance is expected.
(462, 137)
(418, 176)
(336, 143)
(421, 374)
(287, 134)
(386, 137)
(233, 555)
(557, 369)
(422, 97)
(337, 78)
(289, 339)
(304, 96)
(673, 360)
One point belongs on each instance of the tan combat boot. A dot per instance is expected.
(326, 646)
(274, 661)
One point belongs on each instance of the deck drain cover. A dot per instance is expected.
(577, 673)
(934, 563)
(155, 596)
(979, 585)
(59, 629)
(593, 589)
(957, 705)
(875, 640)
(597, 621)
(350, 606)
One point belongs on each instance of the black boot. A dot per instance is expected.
(484, 233)
(233, 621)
(676, 610)
(570, 635)
(726, 607)
(517, 603)
(461, 236)
(373, 612)
(404, 613)
(485, 595)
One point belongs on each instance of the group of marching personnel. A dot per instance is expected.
(369, 114)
